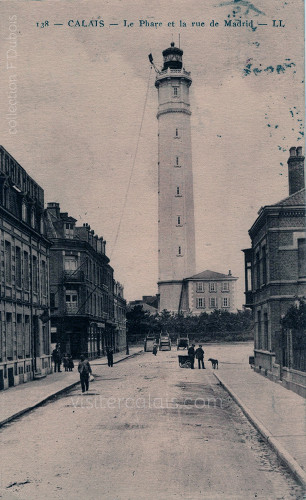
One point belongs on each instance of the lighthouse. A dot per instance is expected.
(176, 233)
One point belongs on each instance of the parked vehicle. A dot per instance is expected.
(164, 342)
(149, 343)
(182, 341)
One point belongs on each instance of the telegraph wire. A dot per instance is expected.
(133, 165)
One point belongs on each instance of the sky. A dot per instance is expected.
(86, 127)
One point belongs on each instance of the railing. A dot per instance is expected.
(73, 276)
(177, 71)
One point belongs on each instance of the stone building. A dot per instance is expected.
(275, 275)
(120, 317)
(83, 293)
(24, 277)
(207, 291)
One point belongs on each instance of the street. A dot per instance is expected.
(147, 429)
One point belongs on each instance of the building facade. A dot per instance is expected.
(207, 291)
(24, 277)
(176, 233)
(275, 275)
(82, 289)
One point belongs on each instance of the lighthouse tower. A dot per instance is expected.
(176, 235)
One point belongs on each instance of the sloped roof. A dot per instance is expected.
(295, 199)
(210, 275)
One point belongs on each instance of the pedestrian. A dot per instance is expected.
(154, 349)
(56, 356)
(110, 358)
(199, 354)
(191, 354)
(70, 363)
(65, 362)
(84, 370)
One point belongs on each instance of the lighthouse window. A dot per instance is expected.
(179, 250)
(176, 132)
(178, 220)
(178, 191)
(175, 91)
(177, 161)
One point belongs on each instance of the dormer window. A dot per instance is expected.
(68, 230)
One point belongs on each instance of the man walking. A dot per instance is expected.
(191, 354)
(110, 356)
(84, 370)
(199, 354)
(57, 358)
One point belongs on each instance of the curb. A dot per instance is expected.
(277, 447)
(36, 405)
(53, 395)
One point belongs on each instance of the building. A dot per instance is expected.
(207, 291)
(120, 317)
(275, 275)
(24, 277)
(176, 234)
(87, 305)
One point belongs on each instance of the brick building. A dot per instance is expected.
(83, 295)
(24, 277)
(275, 275)
(207, 291)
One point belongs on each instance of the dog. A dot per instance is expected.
(214, 363)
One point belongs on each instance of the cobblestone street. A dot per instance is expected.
(147, 429)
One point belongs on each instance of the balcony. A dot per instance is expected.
(73, 276)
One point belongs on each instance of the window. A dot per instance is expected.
(200, 286)
(302, 257)
(179, 251)
(19, 336)
(176, 132)
(178, 193)
(200, 303)
(8, 262)
(44, 277)
(212, 287)
(225, 302)
(259, 341)
(225, 286)
(18, 267)
(70, 263)
(52, 300)
(26, 270)
(71, 301)
(35, 274)
(175, 91)
(27, 336)
(69, 230)
(257, 271)
(213, 302)
(179, 220)
(177, 161)
(265, 339)
(264, 265)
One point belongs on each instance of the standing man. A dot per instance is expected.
(56, 356)
(200, 357)
(191, 354)
(84, 370)
(110, 356)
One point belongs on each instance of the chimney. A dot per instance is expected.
(54, 209)
(296, 170)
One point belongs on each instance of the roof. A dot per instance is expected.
(210, 275)
(296, 199)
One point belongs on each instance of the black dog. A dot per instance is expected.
(214, 363)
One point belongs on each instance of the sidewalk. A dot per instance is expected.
(18, 400)
(277, 413)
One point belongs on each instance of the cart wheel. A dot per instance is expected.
(188, 364)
